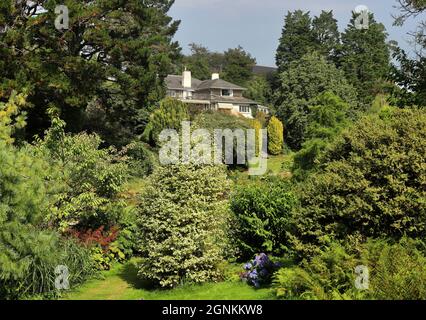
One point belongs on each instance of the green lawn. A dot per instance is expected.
(281, 164)
(121, 283)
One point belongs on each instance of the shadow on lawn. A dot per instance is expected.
(129, 273)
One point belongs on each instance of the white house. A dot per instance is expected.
(214, 94)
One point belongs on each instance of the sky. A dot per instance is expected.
(256, 25)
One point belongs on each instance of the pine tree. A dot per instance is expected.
(326, 34)
(116, 50)
(198, 62)
(238, 66)
(365, 57)
(297, 39)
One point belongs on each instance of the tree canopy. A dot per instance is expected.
(303, 81)
(111, 49)
(365, 57)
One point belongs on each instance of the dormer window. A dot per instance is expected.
(227, 93)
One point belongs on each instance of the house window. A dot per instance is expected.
(227, 93)
(187, 94)
(171, 93)
(244, 109)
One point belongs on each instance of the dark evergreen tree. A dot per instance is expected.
(297, 39)
(113, 49)
(198, 62)
(238, 67)
(326, 34)
(365, 57)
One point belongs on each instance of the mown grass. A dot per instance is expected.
(281, 164)
(122, 283)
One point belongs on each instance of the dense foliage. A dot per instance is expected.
(12, 117)
(262, 215)
(297, 39)
(183, 218)
(81, 188)
(91, 179)
(235, 64)
(169, 115)
(302, 82)
(410, 73)
(327, 118)
(29, 254)
(275, 136)
(112, 50)
(396, 272)
(372, 183)
(365, 58)
(238, 66)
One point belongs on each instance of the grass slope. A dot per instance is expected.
(121, 283)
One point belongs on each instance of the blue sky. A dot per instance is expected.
(256, 24)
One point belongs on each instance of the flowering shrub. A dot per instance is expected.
(259, 272)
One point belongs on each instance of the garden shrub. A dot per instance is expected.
(92, 179)
(218, 120)
(262, 217)
(142, 160)
(275, 136)
(257, 126)
(169, 115)
(371, 184)
(183, 218)
(327, 118)
(211, 121)
(328, 276)
(29, 256)
(100, 242)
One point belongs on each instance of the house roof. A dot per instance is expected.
(218, 84)
(174, 82)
